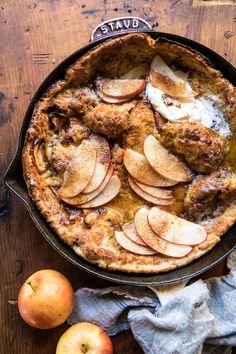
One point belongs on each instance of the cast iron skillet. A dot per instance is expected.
(15, 183)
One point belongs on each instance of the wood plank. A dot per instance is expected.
(35, 36)
(213, 2)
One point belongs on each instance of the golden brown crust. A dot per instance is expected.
(112, 58)
(207, 192)
(107, 121)
(135, 132)
(91, 233)
(74, 101)
(200, 146)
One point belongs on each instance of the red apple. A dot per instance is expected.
(46, 299)
(84, 337)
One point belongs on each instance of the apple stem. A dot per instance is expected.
(32, 287)
(84, 348)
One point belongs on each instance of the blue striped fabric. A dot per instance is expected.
(200, 318)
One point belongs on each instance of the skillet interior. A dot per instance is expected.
(14, 180)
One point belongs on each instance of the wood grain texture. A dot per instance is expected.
(35, 36)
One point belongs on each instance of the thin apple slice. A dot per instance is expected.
(86, 197)
(176, 90)
(165, 163)
(109, 192)
(123, 89)
(39, 157)
(139, 72)
(153, 240)
(99, 84)
(159, 121)
(126, 106)
(154, 191)
(112, 100)
(166, 80)
(149, 198)
(131, 233)
(79, 171)
(138, 167)
(175, 229)
(102, 161)
(131, 246)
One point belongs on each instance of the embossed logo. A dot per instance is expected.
(119, 25)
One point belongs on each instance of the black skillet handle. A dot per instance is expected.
(120, 25)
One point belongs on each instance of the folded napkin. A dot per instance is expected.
(198, 318)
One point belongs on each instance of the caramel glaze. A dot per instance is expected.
(229, 161)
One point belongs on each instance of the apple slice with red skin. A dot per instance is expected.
(165, 163)
(126, 106)
(159, 121)
(138, 167)
(132, 246)
(111, 100)
(149, 198)
(79, 171)
(175, 229)
(86, 197)
(109, 192)
(84, 337)
(99, 83)
(138, 72)
(153, 240)
(123, 88)
(154, 191)
(103, 158)
(131, 233)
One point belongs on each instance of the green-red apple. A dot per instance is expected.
(84, 337)
(46, 299)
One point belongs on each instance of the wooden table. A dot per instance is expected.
(35, 36)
